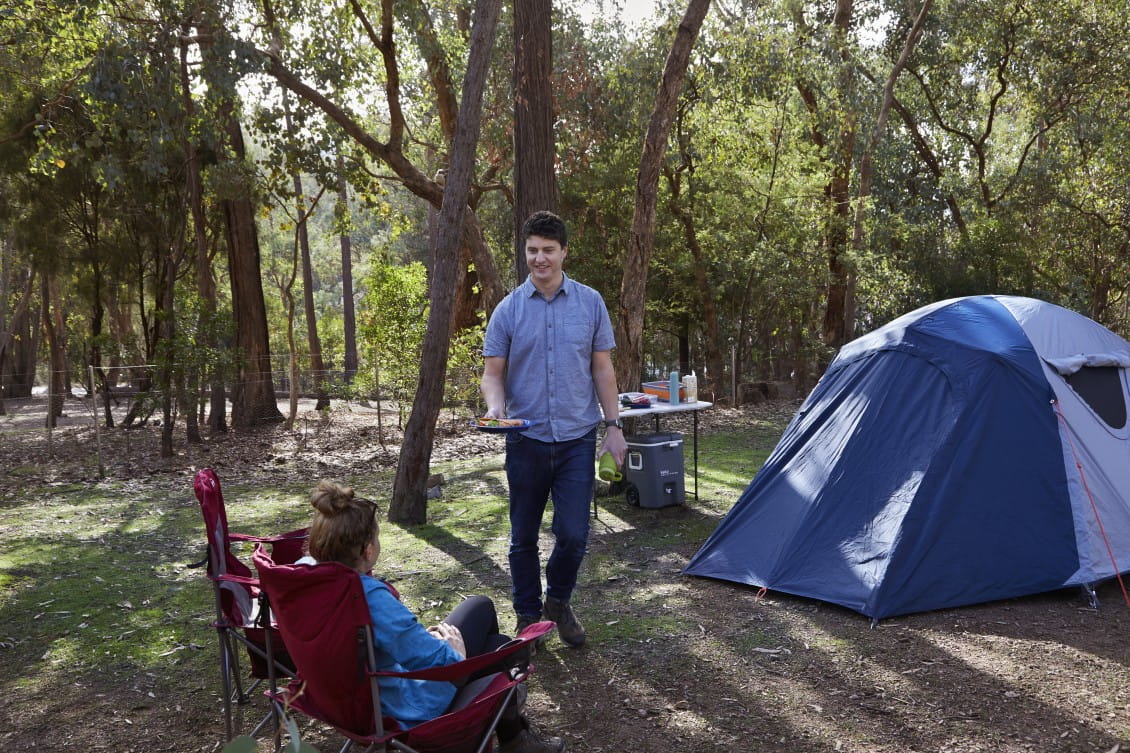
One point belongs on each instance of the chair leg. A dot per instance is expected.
(240, 695)
(232, 679)
(226, 679)
(270, 719)
(277, 713)
(485, 744)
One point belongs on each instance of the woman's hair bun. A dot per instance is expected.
(330, 498)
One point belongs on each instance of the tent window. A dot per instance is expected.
(1101, 388)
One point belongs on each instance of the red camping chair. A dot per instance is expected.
(324, 618)
(239, 618)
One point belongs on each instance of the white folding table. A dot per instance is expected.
(658, 409)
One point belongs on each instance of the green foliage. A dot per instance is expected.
(391, 320)
(241, 744)
(464, 368)
(1001, 169)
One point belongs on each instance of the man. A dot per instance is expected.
(548, 359)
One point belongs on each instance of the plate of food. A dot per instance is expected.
(501, 424)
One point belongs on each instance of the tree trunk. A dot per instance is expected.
(253, 401)
(25, 330)
(253, 396)
(349, 314)
(7, 336)
(167, 323)
(287, 290)
(465, 312)
(53, 330)
(633, 286)
(314, 343)
(409, 496)
(205, 284)
(6, 251)
(535, 185)
(838, 314)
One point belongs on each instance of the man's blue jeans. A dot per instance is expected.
(535, 471)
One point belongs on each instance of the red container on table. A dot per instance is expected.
(662, 390)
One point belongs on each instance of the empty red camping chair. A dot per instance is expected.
(237, 600)
(324, 618)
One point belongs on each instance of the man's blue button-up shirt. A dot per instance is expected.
(548, 347)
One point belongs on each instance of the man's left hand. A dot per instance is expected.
(615, 443)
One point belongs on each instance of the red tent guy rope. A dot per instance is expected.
(1091, 499)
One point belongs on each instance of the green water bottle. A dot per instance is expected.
(609, 471)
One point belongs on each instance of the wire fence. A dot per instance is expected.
(82, 437)
(82, 443)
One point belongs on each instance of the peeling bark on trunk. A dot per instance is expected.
(535, 185)
(253, 396)
(253, 401)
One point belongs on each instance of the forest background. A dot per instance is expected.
(204, 204)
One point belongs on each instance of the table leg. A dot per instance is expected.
(695, 415)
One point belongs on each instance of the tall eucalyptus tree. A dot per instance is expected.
(535, 183)
(409, 498)
(633, 286)
(253, 396)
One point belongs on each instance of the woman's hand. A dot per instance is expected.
(450, 635)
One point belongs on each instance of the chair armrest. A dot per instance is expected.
(461, 669)
(229, 578)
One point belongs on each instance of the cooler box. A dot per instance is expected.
(653, 470)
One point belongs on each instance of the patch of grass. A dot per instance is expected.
(637, 627)
(606, 567)
(98, 575)
(728, 462)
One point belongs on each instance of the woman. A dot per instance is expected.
(345, 530)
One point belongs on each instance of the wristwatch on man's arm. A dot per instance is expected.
(618, 423)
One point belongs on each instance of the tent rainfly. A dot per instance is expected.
(972, 450)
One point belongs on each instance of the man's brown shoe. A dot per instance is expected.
(523, 623)
(568, 626)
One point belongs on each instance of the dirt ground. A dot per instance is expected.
(708, 666)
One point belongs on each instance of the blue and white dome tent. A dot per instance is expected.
(972, 450)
